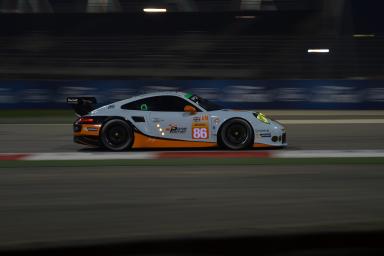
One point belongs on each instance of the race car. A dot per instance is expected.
(172, 120)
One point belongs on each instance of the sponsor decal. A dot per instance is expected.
(72, 100)
(144, 107)
(265, 135)
(176, 130)
(92, 129)
(157, 120)
(194, 98)
(216, 121)
(263, 131)
(188, 95)
(196, 119)
(111, 106)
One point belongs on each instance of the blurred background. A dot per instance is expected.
(316, 66)
(251, 51)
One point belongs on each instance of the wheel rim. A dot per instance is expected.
(117, 135)
(237, 134)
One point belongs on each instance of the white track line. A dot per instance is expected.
(67, 156)
(328, 153)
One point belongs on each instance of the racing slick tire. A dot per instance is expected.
(117, 135)
(236, 134)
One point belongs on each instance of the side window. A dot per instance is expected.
(142, 104)
(170, 104)
(158, 103)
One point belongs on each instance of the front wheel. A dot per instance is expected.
(236, 134)
(117, 135)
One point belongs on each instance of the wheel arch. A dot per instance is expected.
(109, 118)
(218, 136)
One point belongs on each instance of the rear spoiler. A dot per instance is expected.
(82, 105)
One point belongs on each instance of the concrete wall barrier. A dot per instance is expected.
(243, 94)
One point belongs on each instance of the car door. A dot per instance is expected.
(168, 120)
(139, 114)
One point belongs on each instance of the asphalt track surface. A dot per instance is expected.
(54, 134)
(16, 138)
(71, 205)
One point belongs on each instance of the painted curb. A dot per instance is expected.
(68, 156)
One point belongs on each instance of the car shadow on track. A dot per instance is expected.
(100, 149)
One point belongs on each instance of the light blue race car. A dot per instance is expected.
(172, 120)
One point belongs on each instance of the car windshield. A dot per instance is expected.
(206, 104)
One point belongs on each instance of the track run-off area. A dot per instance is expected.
(330, 178)
(306, 130)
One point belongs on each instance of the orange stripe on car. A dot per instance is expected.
(261, 145)
(143, 141)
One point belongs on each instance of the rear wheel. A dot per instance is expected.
(117, 135)
(236, 134)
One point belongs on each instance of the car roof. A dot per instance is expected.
(152, 94)
(165, 93)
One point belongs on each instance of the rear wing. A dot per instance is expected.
(82, 105)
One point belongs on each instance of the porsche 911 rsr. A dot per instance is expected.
(172, 120)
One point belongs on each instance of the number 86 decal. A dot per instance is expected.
(199, 133)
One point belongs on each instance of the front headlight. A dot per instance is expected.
(262, 118)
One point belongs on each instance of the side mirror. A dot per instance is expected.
(190, 109)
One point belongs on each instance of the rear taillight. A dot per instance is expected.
(85, 120)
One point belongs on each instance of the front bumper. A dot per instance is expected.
(271, 142)
(273, 134)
